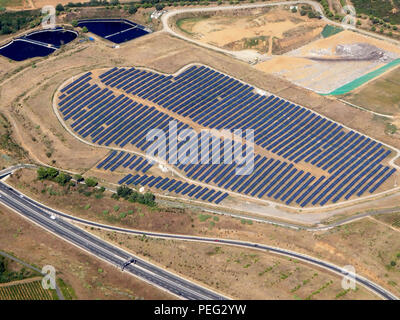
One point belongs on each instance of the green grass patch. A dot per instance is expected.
(192, 20)
(204, 217)
(67, 291)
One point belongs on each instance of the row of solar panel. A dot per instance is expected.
(197, 89)
(261, 173)
(179, 187)
(121, 103)
(135, 162)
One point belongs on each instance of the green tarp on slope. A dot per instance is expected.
(363, 79)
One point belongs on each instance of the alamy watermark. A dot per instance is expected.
(349, 279)
(49, 279)
(189, 147)
(350, 18)
(49, 18)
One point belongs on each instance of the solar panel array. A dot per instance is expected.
(115, 160)
(335, 163)
(127, 160)
(176, 186)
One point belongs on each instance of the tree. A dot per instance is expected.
(74, 23)
(52, 173)
(60, 7)
(134, 196)
(85, 30)
(149, 199)
(124, 191)
(159, 6)
(132, 10)
(63, 178)
(3, 265)
(114, 2)
(140, 198)
(78, 177)
(42, 173)
(91, 182)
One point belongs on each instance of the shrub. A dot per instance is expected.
(52, 173)
(132, 10)
(60, 7)
(115, 196)
(63, 178)
(91, 182)
(124, 191)
(78, 177)
(42, 173)
(149, 199)
(133, 196)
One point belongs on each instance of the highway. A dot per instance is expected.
(104, 250)
(40, 214)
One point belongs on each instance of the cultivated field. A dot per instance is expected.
(342, 245)
(31, 290)
(85, 277)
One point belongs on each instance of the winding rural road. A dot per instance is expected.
(252, 56)
(41, 215)
(101, 249)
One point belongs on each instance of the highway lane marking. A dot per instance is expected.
(305, 258)
(150, 273)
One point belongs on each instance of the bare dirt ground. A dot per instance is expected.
(367, 245)
(326, 64)
(26, 95)
(89, 277)
(234, 270)
(267, 30)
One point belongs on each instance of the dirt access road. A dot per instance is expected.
(252, 56)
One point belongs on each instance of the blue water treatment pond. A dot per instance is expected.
(115, 30)
(56, 37)
(37, 44)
